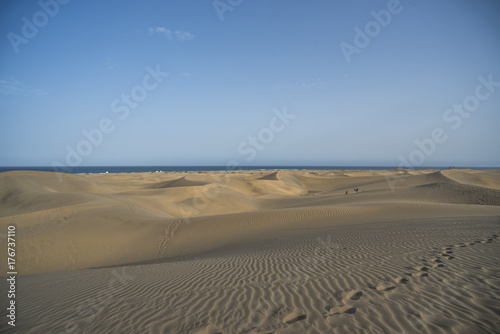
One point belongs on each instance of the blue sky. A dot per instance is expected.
(234, 66)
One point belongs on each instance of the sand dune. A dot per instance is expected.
(414, 251)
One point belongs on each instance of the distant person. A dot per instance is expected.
(346, 192)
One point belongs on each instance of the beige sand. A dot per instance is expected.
(255, 252)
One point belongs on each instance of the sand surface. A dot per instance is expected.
(254, 252)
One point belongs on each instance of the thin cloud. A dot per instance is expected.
(38, 92)
(177, 34)
(15, 87)
(162, 31)
(184, 35)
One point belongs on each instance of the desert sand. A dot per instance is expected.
(414, 251)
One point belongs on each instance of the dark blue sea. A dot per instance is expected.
(142, 169)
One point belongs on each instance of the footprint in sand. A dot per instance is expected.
(352, 295)
(422, 271)
(401, 280)
(385, 287)
(211, 329)
(294, 316)
(422, 268)
(341, 309)
(437, 262)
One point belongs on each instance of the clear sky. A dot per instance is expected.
(262, 82)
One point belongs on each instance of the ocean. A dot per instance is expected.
(142, 169)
